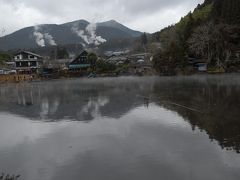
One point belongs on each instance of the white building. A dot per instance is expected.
(28, 62)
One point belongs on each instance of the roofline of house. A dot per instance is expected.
(28, 52)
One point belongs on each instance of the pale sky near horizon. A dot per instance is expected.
(143, 15)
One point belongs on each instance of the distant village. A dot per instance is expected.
(28, 66)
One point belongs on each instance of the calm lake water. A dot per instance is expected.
(171, 128)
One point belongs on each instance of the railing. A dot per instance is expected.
(28, 67)
(15, 78)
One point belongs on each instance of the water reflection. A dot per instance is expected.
(137, 128)
(217, 102)
(76, 100)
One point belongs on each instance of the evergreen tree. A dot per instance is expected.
(62, 53)
(92, 59)
(144, 40)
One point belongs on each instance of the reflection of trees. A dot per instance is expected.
(219, 104)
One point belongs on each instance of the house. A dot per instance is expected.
(116, 59)
(55, 68)
(4, 71)
(198, 64)
(81, 62)
(28, 62)
(59, 64)
(141, 64)
(141, 56)
(202, 67)
(109, 54)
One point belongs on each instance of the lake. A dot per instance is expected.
(128, 128)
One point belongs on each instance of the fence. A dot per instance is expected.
(16, 78)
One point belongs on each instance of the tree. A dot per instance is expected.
(144, 40)
(214, 42)
(166, 61)
(4, 57)
(200, 43)
(105, 66)
(92, 59)
(62, 53)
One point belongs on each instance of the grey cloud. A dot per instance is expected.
(128, 6)
(129, 12)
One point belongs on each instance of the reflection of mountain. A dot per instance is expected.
(218, 102)
(73, 100)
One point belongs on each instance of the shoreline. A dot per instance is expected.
(21, 78)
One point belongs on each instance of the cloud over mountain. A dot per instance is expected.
(144, 15)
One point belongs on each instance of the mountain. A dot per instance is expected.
(67, 33)
(116, 25)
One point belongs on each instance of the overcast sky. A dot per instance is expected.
(143, 15)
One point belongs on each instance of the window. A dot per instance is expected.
(31, 57)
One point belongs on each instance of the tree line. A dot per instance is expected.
(210, 33)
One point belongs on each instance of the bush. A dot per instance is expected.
(104, 66)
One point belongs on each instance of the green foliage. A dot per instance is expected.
(59, 53)
(182, 30)
(210, 32)
(227, 11)
(215, 42)
(165, 36)
(144, 39)
(92, 58)
(185, 27)
(166, 62)
(121, 69)
(105, 66)
(4, 57)
(203, 13)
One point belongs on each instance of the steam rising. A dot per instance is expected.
(39, 37)
(50, 40)
(89, 34)
(42, 38)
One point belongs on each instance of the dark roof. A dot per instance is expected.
(28, 52)
(83, 53)
(195, 60)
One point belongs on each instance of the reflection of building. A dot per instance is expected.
(28, 62)
(7, 71)
(81, 62)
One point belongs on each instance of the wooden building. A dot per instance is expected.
(81, 62)
(28, 62)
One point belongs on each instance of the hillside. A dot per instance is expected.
(210, 33)
(77, 32)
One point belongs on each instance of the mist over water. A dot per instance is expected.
(122, 128)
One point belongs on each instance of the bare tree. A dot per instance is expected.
(201, 41)
(214, 42)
